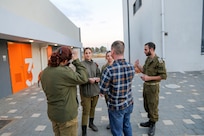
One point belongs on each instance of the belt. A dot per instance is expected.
(147, 83)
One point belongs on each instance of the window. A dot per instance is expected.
(137, 5)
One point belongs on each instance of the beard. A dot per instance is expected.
(149, 53)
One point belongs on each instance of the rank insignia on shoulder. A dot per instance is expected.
(160, 60)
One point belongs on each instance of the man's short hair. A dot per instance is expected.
(118, 47)
(151, 45)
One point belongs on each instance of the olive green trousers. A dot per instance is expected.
(88, 104)
(151, 101)
(69, 128)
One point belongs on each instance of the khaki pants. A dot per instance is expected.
(89, 105)
(69, 128)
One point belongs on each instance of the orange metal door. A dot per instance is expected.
(18, 53)
(49, 51)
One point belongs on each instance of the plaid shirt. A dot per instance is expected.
(116, 82)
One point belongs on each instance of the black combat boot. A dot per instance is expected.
(108, 126)
(145, 124)
(84, 128)
(91, 124)
(151, 129)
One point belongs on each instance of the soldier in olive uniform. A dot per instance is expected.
(89, 91)
(153, 72)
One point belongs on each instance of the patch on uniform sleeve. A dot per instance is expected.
(160, 60)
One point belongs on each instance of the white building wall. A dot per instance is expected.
(39, 58)
(36, 58)
(182, 22)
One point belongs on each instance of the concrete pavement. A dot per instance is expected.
(181, 110)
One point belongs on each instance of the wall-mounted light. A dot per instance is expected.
(31, 40)
(55, 44)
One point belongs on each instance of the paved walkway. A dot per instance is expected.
(181, 110)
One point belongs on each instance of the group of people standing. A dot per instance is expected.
(114, 82)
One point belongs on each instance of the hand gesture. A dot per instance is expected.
(137, 69)
(137, 63)
(97, 79)
(145, 77)
(92, 80)
(74, 54)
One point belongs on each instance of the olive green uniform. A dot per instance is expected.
(60, 87)
(89, 92)
(102, 69)
(153, 67)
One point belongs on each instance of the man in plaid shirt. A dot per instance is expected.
(116, 82)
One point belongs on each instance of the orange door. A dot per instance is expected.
(28, 64)
(18, 54)
(49, 51)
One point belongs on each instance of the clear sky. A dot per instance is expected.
(100, 21)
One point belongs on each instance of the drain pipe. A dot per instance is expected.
(128, 23)
(163, 29)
